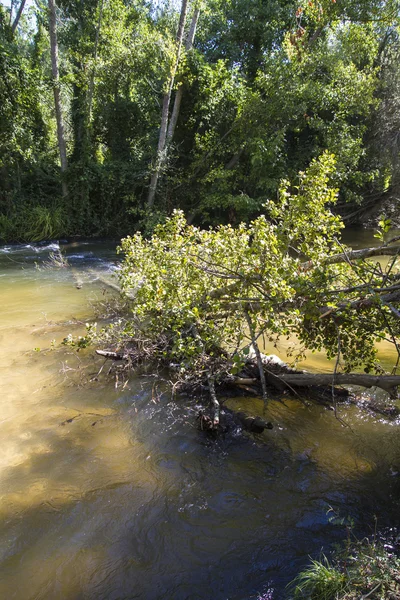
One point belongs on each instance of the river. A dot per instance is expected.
(113, 494)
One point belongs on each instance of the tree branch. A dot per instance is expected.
(356, 255)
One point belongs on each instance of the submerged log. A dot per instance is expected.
(104, 280)
(231, 418)
(253, 424)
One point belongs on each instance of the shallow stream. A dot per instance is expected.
(114, 494)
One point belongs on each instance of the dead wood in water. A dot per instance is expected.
(388, 383)
(281, 377)
(104, 280)
(112, 355)
(214, 401)
(246, 421)
(253, 424)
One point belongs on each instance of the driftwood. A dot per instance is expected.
(112, 355)
(279, 377)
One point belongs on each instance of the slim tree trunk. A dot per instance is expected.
(11, 12)
(93, 73)
(18, 16)
(160, 159)
(258, 356)
(179, 93)
(56, 89)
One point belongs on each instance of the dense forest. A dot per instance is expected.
(115, 112)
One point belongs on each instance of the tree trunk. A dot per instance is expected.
(161, 149)
(179, 92)
(388, 383)
(258, 356)
(56, 89)
(364, 253)
(283, 380)
(18, 16)
(93, 73)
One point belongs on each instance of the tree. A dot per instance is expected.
(201, 298)
(18, 16)
(62, 147)
(267, 87)
(179, 92)
(162, 140)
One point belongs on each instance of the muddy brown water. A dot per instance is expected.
(111, 494)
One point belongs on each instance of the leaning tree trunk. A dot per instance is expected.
(161, 149)
(388, 383)
(179, 92)
(18, 16)
(56, 90)
(93, 73)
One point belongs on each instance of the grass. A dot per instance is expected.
(320, 581)
(43, 223)
(363, 569)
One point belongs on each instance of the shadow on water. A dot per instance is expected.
(107, 495)
(143, 505)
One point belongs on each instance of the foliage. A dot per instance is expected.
(267, 88)
(194, 289)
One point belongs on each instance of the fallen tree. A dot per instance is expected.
(200, 299)
(388, 383)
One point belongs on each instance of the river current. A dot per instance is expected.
(112, 493)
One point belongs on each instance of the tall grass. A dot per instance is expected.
(320, 581)
(43, 223)
(363, 569)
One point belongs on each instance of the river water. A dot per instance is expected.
(113, 493)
